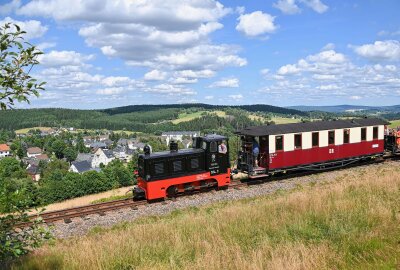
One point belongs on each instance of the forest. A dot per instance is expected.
(140, 118)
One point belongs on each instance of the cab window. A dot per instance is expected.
(213, 147)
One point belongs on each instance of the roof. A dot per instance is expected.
(34, 150)
(84, 156)
(173, 153)
(82, 166)
(4, 147)
(309, 126)
(98, 145)
(213, 137)
(32, 170)
(108, 153)
(42, 157)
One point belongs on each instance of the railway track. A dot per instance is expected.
(102, 208)
(83, 211)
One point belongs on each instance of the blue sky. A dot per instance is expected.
(101, 53)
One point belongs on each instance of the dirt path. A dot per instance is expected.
(86, 199)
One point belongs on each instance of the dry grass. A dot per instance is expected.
(84, 200)
(394, 123)
(351, 223)
(26, 130)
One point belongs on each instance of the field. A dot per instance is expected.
(185, 117)
(350, 223)
(394, 123)
(284, 120)
(26, 130)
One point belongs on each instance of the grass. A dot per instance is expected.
(185, 117)
(394, 123)
(284, 120)
(349, 223)
(112, 198)
(26, 130)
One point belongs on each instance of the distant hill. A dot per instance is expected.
(250, 108)
(143, 118)
(347, 108)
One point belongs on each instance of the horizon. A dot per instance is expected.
(282, 53)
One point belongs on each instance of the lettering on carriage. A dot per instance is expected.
(375, 145)
(271, 157)
(331, 151)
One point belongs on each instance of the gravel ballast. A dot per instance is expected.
(81, 226)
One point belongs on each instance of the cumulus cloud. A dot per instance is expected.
(287, 6)
(237, 97)
(226, 83)
(209, 97)
(256, 23)
(332, 74)
(155, 75)
(291, 7)
(33, 28)
(64, 58)
(387, 50)
(10, 7)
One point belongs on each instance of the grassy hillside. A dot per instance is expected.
(137, 118)
(350, 223)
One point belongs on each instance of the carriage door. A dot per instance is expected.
(264, 152)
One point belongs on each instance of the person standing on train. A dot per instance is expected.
(256, 151)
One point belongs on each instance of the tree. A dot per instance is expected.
(17, 58)
(116, 171)
(70, 154)
(58, 147)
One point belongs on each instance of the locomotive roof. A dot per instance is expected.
(309, 126)
(180, 152)
(213, 137)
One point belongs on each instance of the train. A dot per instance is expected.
(262, 151)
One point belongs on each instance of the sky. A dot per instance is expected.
(109, 53)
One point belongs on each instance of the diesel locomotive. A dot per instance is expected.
(169, 173)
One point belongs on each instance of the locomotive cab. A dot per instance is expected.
(168, 173)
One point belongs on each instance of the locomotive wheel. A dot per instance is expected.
(172, 191)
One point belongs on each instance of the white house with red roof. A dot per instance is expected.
(4, 150)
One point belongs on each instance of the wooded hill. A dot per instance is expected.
(144, 118)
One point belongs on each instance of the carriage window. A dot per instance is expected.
(213, 147)
(278, 143)
(363, 134)
(375, 133)
(315, 139)
(204, 146)
(159, 168)
(194, 163)
(346, 135)
(331, 137)
(177, 165)
(297, 141)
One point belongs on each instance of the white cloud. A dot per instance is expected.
(288, 70)
(182, 80)
(291, 6)
(329, 46)
(64, 58)
(328, 87)
(226, 83)
(256, 23)
(380, 50)
(316, 5)
(287, 6)
(355, 97)
(237, 97)
(46, 45)
(10, 7)
(170, 89)
(209, 97)
(206, 73)
(33, 28)
(155, 75)
(110, 91)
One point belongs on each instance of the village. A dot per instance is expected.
(89, 152)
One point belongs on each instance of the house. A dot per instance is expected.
(186, 143)
(179, 135)
(43, 157)
(123, 153)
(33, 151)
(138, 146)
(98, 145)
(4, 150)
(81, 167)
(34, 172)
(108, 142)
(102, 156)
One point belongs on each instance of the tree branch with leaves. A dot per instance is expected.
(17, 58)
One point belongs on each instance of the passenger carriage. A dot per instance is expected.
(310, 145)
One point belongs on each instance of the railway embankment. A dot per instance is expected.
(339, 219)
